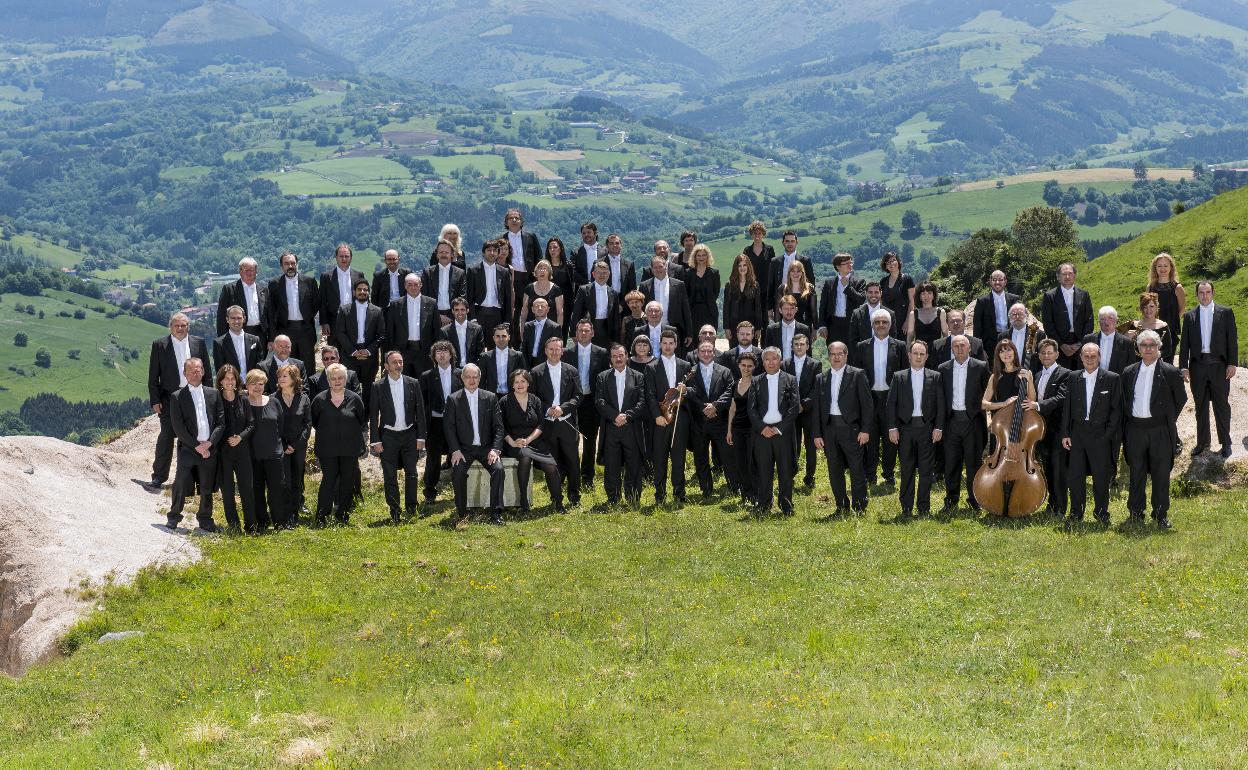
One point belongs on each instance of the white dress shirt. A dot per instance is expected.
(1106, 343)
(620, 378)
(1002, 312)
(344, 286)
(1141, 404)
(660, 294)
(444, 379)
(591, 256)
(834, 389)
(798, 364)
(474, 397)
(959, 384)
(537, 337)
(879, 348)
(840, 297)
(461, 334)
(1205, 314)
(654, 332)
(583, 358)
(916, 392)
(1019, 338)
(772, 416)
(787, 330)
(395, 290)
(252, 300)
(292, 299)
(400, 408)
(1089, 388)
(556, 383)
(490, 272)
(500, 368)
(413, 319)
(788, 261)
(444, 287)
(707, 369)
(1068, 296)
(361, 315)
(1045, 374)
(516, 240)
(181, 352)
(240, 350)
(669, 366)
(617, 272)
(201, 412)
(600, 301)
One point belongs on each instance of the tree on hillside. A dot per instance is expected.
(43, 358)
(1052, 193)
(1140, 170)
(20, 340)
(1043, 238)
(881, 230)
(963, 273)
(911, 224)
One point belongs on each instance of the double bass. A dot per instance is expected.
(1011, 482)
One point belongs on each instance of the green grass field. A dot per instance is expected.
(59, 256)
(697, 637)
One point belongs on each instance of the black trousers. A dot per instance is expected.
(839, 330)
(1150, 454)
(963, 449)
(192, 465)
(671, 442)
(773, 458)
(416, 359)
(303, 336)
(589, 422)
(1056, 461)
(1089, 453)
(915, 447)
(709, 437)
(844, 453)
(435, 450)
(269, 476)
(621, 452)
(235, 464)
(524, 469)
(365, 369)
(563, 440)
(459, 478)
(398, 450)
(1210, 386)
(339, 476)
(164, 444)
(875, 456)
(295, 466)
(804, 437)
(740, 471)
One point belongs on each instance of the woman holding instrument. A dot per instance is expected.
(1016, 430)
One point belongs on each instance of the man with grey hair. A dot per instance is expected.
(1117, 352)
(1152, 397)
(249, 294)
(879, 357)
(474, 433)
(165, 375)
(774, 404)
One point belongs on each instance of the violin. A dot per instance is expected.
(1010, 482)
(669, 405)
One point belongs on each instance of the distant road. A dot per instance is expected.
(1079, 176)
(530, 159)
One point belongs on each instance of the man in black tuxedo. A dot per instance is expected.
(500, 361)
(589, 360)
(1018, 333)
(557, 385)
(707, 333)
(844, 414)
(278, 357)
(1117, 352)
(536, 331)
(1091, 418)
(667, 371)
(598, 302)
(338, 289)
(942, 349)
(388, 283)
(623, 272)
(841, 294)
(489, 287)
(745, 344)
(412, 326)
(992, 310)
(880, 357)
(436, 386)
(465, 336)
(294, 301)
(526, 249)
(805, 369)
(1153, 395)
(709, 396)
(316, 383)
(620, 397)
(670, 293)
(396, 419)
(655, 326)
(165, 374)
(1052, 388)
(197, 416)
(443, 281)
(249, 294)
(774, 405)
(236, 347)
(964, 380)
(360, 333)
(586, 255)
(778, 268)
(781, 333)
(1066, 312)
(474, 433)
(915, 413)
(1208, 353)
(861, 321)
(664, 252)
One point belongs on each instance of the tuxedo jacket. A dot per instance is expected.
(984, 324)
(731, 359)
(269, 366)
(232, 294)
(1030, 360)
(773, 336)
(539, 332)
(582, 273)
(1167, 398)
(806, 383)
(1052, 399)
(657, 384)
(431, 389)
(644, 329)
(163, 377)
(309, 302)
(679, 311)
(186, 426)
(864, 359)
(775, 268)
(585, 305)
(789, 402)
(628, 280)
(1122, 353)
(860, 323)
(1105, 419)
(224, 352)
(532, 251)
(474, 340)
(346, 330)
(942, 350)
(432, 276)
(1056, 321)
(977, 375)
(719, 396)
(396, 323)
(457, 421)
(503, 289)
(569, 389)
(899, 408)
(853, 397)
(1223, 340)
(331, 300)
(381, 286)
(606, 397)
(854, 296)
(457, 259)
(381, 407)
(599, 361)
(489, 367)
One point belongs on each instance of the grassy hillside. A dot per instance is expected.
(1117, 277)
(667, 638)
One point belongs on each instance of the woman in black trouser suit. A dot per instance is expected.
(235, 458)
(742, 478)
(339, 417)
(296, 423)
(521, 413)
(268, 473)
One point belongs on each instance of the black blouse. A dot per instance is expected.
(237, 422)
(897, 297)
(266, 433)
(518, 423)
(296, 420)
(531, 295)
(339, 429)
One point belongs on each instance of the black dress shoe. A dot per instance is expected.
(1226, 452)
(209, 526)
(496, 517)
(172, 522)
(1135, 516)
(1163, 522)
(1199, 450)
(1102, 518)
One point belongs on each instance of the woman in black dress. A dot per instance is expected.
(739, 432)
(1163, 280)
(743, 298)
(339, 417)
(1003, 384)
(521, 413)
(927, 321)
(548, 290)
(235, 458)
(560, 268)
(1150, 319)
(635, 322)
(898, 293)
(640, 357)
(296, 424)
(267, 449)
(702, 285)
(760, 254)
(797, 285)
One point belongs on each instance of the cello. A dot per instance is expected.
(1011, 482)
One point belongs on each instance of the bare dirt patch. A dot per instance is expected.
(530, 159)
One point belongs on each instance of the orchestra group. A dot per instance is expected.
(574, 362)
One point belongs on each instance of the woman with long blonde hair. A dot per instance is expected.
(1163, 280)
